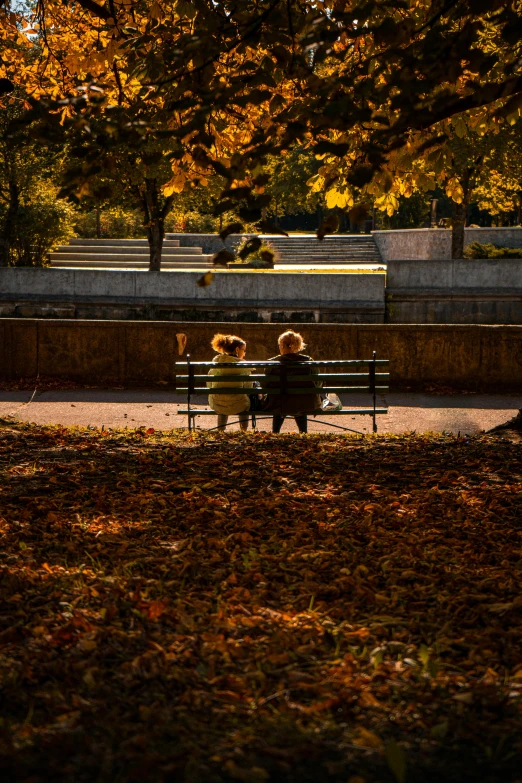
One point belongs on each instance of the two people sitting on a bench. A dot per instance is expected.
(232, 349)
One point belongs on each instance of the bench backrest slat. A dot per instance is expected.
(280, 379)
(336, 377)
(271, 390)
(263, 364)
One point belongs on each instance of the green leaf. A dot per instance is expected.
(424, 654)
(249, 247)
(396, 759)
(186, 9)
(460, 126)
(231, 228)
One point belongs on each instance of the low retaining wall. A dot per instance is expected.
(175, 295)
(487, 358)
(465, 291)
(455, 292)
(435, 243)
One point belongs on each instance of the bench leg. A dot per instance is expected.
(338, 426)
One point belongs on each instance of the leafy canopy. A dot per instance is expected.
(228, 84)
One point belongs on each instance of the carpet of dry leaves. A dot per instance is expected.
(212, 608)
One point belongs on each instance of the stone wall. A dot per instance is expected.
(487, 358)
(435, 243)
(209, 243)
(175, 295)
(458, 291)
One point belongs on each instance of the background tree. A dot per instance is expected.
(32, 219)
(288, 184)
(234, 83)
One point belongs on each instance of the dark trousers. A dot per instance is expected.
(301, 420)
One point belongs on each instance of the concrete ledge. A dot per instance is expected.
(178, 285)
(143, 294)
(435, 243)
(479, 358)
(457, 274)
(456, 291)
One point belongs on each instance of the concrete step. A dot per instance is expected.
(132, 264)
(319, 246)
(340, 256)
(310, 245)
(315, 260)
(323, 261)
(314, 240)
(322, 250)
(110, 257)
(120, 242)
(326, 261)
(326, 249)
(126, 250)
(331, 250)
(327, 252)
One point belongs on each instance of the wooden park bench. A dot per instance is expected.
(340, 376)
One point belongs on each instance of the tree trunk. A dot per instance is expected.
(155, 235)
(457, 230)
(98, 224)
(154, 224)
(460, 211)
(8, 229)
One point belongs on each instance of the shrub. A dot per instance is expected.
(264, 256)
(191, 223)
(115, 223)
(41, 224)
(488, 250)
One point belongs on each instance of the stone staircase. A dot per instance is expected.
(126, 254)
(337, 249)
(301, 249)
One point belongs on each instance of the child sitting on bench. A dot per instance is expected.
(291, 345)
(230, 350)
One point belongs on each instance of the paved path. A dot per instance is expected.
(465, 413)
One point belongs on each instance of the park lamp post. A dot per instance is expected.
(433, 220)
